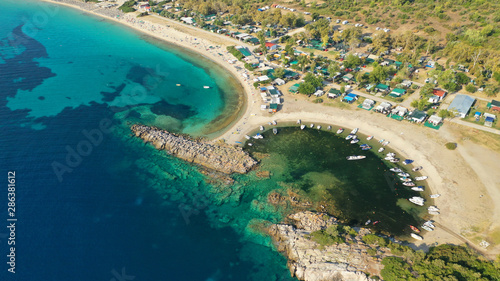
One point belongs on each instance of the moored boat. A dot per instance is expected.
(340, 130)
(368, 222)
(395, 170)
(421, 178)
(366, 148)
(416, 236)
(388, 158)
(302, 127)
(409, 183)
(369, 138)
(354, 141)
(349, 137)
(206, 87)
(312, 126)
(403, 174)
(258, 136)
(299, 121)
(417, 188)
(391, 154)
(274, 122)
(385, 143)
(356, 157)
(247, 137)
(434, 213)
(405, 179)
(425, 227)
(417, 168)
(381, 149)
(434, 195)
(275, 131)
(354, 131)
(329, 128)
(430, 223)
(262, 128)
(318, 127)
(415, 229)
(417, 200)
(395, 160)
(433, 208)
(381, 141)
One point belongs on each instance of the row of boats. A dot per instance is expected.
(428, 226)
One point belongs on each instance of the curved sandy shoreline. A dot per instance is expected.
(462, 186)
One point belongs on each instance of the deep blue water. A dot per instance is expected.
(116, 208)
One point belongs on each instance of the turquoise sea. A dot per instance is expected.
(94, 203)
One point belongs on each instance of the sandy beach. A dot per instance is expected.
(467, 178)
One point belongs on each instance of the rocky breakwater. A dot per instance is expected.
(219, 157)
(310, 261)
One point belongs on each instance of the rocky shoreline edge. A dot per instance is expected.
(220, 156)
(310, 261)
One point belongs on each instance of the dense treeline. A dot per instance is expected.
(444, 262)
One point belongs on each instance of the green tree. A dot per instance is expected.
(302, 61)
(352, 61)
(279, 72)
(470, 88)
(306, 88)
(313, 80)
(262, 40)
(443, 113)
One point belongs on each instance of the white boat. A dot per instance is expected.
(381, 149)
(416, 236)
(421, 178)
(388, 158)
(247, 137)
(275, 131)
(433, 208)
(340, 130)
(409, 183)
(427, 228)
(417, 188)
(269, 123)
(434, 195)
(262, 128)
(381, 141)
(302, 127)
(403, 174)
(430, 223)
(354, 141)
(329, 127)
(354, 131)
(299, 121)
(369, 138)
(318, 127)
(356, 157)
(395, 170)
(250, 144)
(206, 87)
(395, 160)
(349, 137)
(258, 136)
(368, 222)
(385, 143)
(274, 122)
(417, 168)
(434, 213)
(405, 179)
(312, 125)
(391, 154)
(354, 137)
(417, 200)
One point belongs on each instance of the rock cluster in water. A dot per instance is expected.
(219, 157)
(307, 261)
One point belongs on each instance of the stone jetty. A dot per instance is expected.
(220, 157)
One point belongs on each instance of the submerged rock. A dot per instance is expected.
(308, 261)
(219, 157)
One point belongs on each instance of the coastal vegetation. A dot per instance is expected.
(444, 262)
(128, 6)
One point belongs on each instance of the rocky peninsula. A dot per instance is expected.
(219, 156)
(310, 261)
